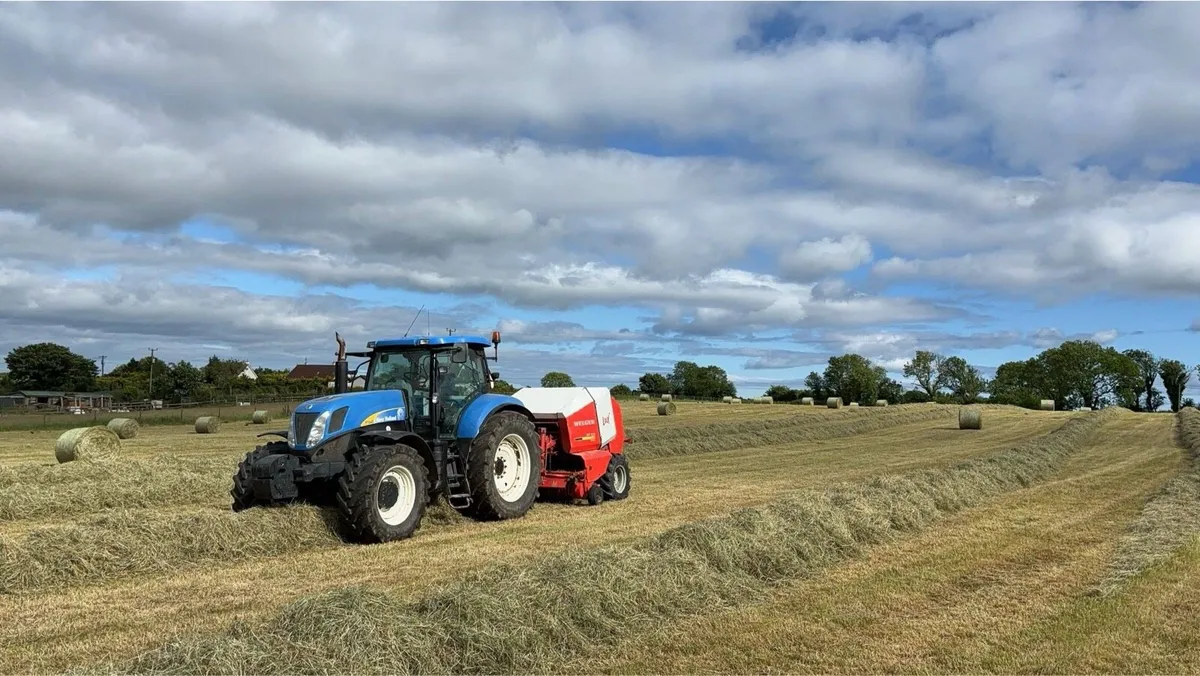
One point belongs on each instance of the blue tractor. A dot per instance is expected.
(426, 425)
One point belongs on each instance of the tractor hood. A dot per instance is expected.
(318, 420)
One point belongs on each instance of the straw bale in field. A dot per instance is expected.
(881, 402)
(87, 443)
(807, 401)
(261, 417)
(643, 397)
(834, 402)
(667, 408)
(1046, 405)
(208, 424)
(970, 418)
(125, 428)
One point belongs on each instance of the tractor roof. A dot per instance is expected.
(410, 341)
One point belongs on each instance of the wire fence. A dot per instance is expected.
(22, 418)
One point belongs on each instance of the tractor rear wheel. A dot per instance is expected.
(616, 480)
(383, 493)
(504, 467)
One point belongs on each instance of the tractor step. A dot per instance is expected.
(456, 480)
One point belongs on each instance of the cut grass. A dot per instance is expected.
(997, 589)
(96, 618)
(523, 618)
(1169, 520)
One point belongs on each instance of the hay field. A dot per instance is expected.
(93, 569)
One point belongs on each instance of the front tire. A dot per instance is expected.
(504, 467)
(243, 482)
(383, 494)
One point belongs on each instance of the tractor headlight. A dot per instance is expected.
(318, 429)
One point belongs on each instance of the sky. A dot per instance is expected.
(613, 187)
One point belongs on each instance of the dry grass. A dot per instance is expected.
(97, 618)
(1169, 520)
(997, 589)
(528, 617)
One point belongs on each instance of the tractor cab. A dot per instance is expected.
(438, 377)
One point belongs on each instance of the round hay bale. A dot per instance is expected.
(735, 400)
(1046, 405)
(970, 418)
(208, 424)
(1085, 408)
(854, 404)
(881, 402)
(665, 397)
(726, 399)
(667, 408)
(87, 443)
(806, 401)
(834, 402)
(125, 428)
(261, 417)
(643, 397)
(767, 400)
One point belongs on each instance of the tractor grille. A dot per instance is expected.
(302, 423)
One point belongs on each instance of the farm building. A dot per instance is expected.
(64, 399)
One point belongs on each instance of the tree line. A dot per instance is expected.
(53, 367)
(1074, 374)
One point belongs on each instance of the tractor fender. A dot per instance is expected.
(482, 408)
(383, 436)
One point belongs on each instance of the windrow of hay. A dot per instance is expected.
(701, 439)
(1167, 521)
(128, 542)
(525, 618)
(124, 428)
(87, 443)
(667, 408)
(31, 491)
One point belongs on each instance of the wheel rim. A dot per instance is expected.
(396, 495)
(512, 467)
(620, 479)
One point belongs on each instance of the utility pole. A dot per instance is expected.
(449, 332)
(102, 358)
(152, 351)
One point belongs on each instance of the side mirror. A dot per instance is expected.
(459, 356)
(495, 375)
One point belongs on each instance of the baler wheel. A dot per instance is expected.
(383, 493)
(616, 480)
(503, 468)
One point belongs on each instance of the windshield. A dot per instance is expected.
(407, 371)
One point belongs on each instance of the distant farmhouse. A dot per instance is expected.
(326, 371)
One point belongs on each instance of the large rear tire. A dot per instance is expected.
(383, 493)
(504, 468)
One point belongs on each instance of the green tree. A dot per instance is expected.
(557, 379)
(816, 385)
(853, 378)
(49, 366)
(927, 369)
(782, 393)
(654, 383)
(689, 379)
(184, 380)
(6, 385)
(621, 390)
(1016, 383)
(1175, 376)
(502, 387)
(1147, 368)
(891, 390)
(964, 380)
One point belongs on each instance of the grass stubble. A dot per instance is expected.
(1167, 522)
(528, 617)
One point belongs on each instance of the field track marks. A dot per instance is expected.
(940, 600)
(121, 618)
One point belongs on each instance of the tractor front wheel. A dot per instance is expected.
(243, 482)
(504, 467)
(383, 493)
